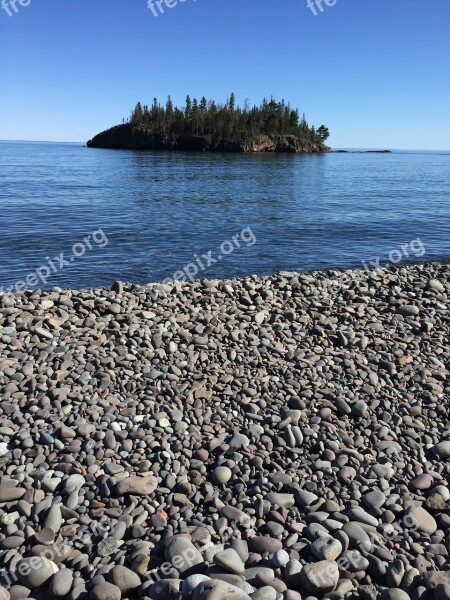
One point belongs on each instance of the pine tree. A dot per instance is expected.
(188, 109)
(323, 133)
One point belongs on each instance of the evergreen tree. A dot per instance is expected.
(323, 133)
(188, 109)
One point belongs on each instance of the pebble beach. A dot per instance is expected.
(265, 438)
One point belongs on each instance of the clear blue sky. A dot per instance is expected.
(377, 72)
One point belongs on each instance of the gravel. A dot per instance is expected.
(250, 438)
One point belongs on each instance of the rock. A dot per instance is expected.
(191, 583)
(186, 555)
(442, 450)
(435, 578)
(305, 498)
(238, 441)
(263, 544)
(357, 536)
(408, 310)
(280, 558)
(125, 579)
(105, 591)
(3, 449)
(422, 520)
(359, 409)
(9, 494)
(320, 577)
(139, 486)
(53, 520)
(282, 500)
(436, 285)
(422, 482)
(230, 560)
(222, 475)
(264, 593)
(218, 590)
(326, 548)
(35, 571)
(61, 583)
(394, 594)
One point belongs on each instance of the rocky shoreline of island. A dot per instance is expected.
(128, 137)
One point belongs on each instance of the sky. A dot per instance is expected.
(376, 72)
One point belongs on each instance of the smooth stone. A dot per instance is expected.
(408, 310)
(326, 548)
(357, 536)
(442, 491)
(125, 579)
(394, 594)
(33, 572)
(61, 583)
(53, 519)
(222, 475)
(442, 450)
(139, 486)
(264, 593)
(436, 285)
(238, 441)
(230, 560)
(422, 482)
(374, 499)
(186, 555)
(215, 589)
(105, 591)
(191, 583)
(358, 514)
(280, 558)
(422, 519)
(321, 577)
(305, 498)
(262, 544)
(282, 500)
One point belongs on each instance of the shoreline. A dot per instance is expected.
(228, 438)
(331, 272)
(129, 137)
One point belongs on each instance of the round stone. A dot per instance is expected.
(280, 558)
(326, 548)
(422, 520)
(222, 475)
(442, 450)
(105, 591)
(35, 571)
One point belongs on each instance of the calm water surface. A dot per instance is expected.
(159, 209)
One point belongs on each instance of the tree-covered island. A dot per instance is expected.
(208, 126)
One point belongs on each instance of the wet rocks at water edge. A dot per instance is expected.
(266, 438)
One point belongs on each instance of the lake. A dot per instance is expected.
(77, 217)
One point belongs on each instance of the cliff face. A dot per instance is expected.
(127, 137)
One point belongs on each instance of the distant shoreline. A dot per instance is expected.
(127, 137)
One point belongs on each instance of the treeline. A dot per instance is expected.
(228, 121)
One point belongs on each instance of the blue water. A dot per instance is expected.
(158, 211)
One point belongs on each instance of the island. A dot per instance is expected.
(208, 126)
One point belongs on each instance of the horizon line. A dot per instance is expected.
(333, 147)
